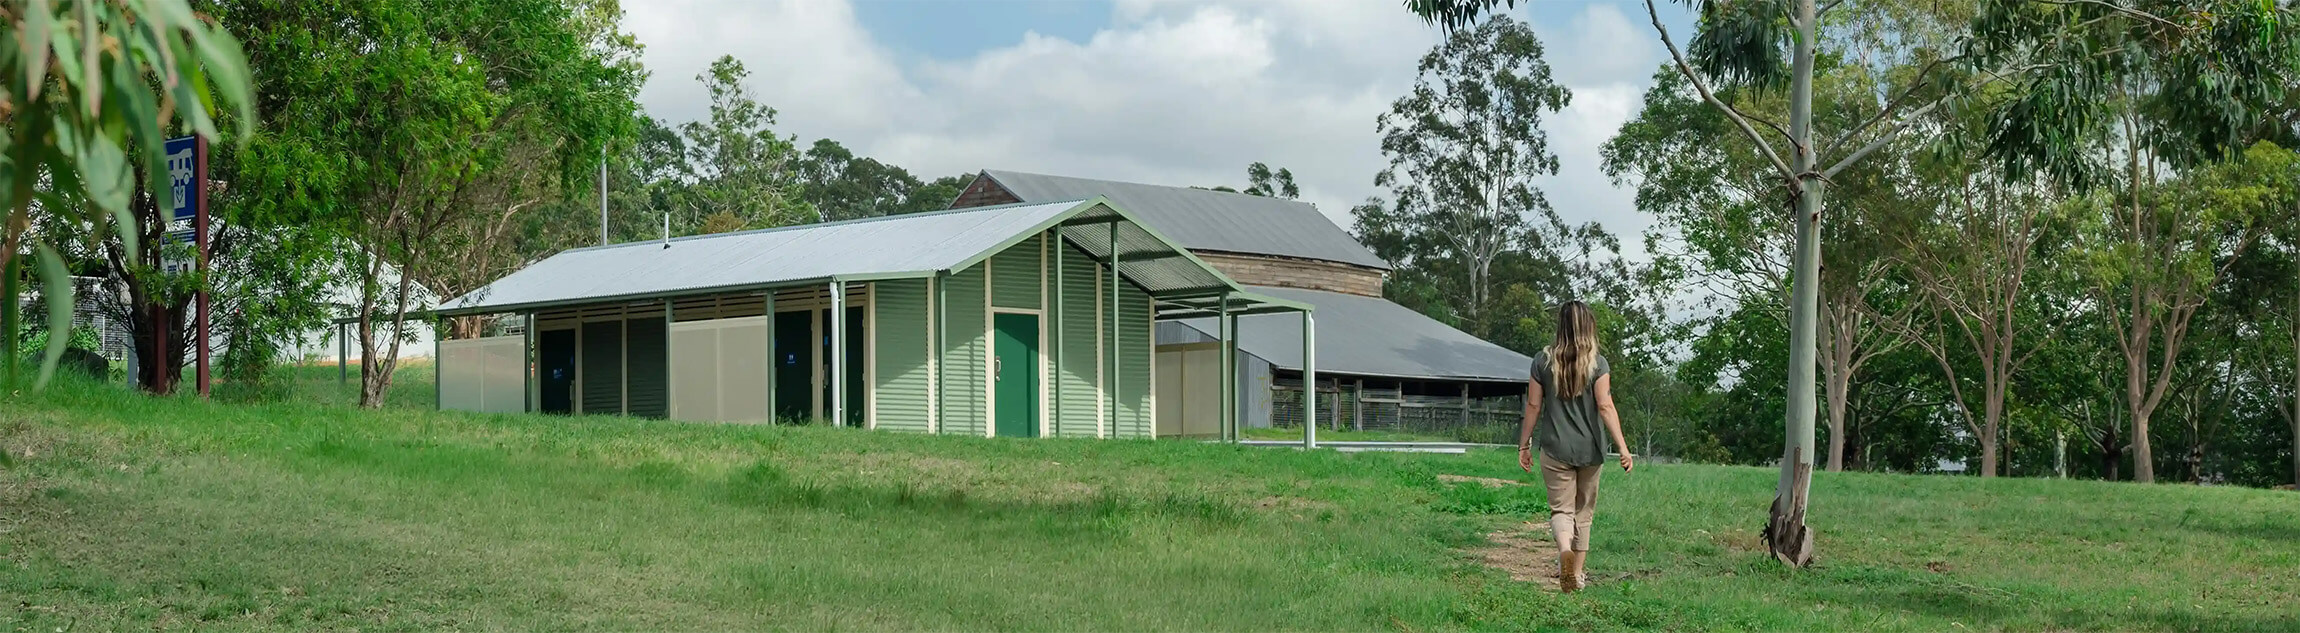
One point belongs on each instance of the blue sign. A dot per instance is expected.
(183, 161)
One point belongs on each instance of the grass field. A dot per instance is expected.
(123, 512)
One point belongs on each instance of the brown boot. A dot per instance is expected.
(1568, 571)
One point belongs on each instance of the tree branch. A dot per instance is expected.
(2142, 15)
(1890, 106)
(1703, 88)
(1882, 139)
(1911, 118)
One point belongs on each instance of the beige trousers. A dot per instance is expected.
(1572, 502)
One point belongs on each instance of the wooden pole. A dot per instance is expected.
(1465, 405)
(200, 258)
(1358, 407)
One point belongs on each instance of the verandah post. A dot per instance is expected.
(1309, 381)
(838, 377)
(1227, 419)
(1117, 353)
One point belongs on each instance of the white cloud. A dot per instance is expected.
(1181, 92)
(809, 60)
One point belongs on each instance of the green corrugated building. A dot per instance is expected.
(1023, 320)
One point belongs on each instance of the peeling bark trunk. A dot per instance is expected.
(1838, 384)
(370, 285)
(1992, 416)
(1786, 532)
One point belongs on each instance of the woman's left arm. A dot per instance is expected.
(1612, 418)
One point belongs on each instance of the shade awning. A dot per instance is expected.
(1371, 336)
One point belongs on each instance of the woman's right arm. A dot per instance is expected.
(1525, 427)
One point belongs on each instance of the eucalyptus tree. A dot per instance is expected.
(1712, 198)
(1263, 181)
(400, 118)
(1464, 146)
(2154, 258)
(743, 171)
(2060, 56)
(90, 90)
(1969, 264)
(842, 186)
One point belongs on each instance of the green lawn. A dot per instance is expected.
(124, 512)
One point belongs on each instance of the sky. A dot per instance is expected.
(1172, 92)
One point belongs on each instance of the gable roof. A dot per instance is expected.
(890, 247)
(1369, 336)
(1201, 219)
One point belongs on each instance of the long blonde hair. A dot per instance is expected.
(1573, 350)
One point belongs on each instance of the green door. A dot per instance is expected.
(1016, 370)
(857, 352)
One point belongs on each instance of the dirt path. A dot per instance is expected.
(1527, 553)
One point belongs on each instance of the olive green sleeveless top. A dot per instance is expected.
(1570, 431)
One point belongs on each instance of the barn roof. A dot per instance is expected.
(1370, 336)
(1202, 219)
(890, 247)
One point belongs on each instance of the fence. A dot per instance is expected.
(1356, 406)
(95, 301)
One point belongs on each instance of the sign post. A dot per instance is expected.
(188, 175)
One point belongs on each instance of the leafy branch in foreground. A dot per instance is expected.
(90, 90)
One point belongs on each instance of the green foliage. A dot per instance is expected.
(2198, 74)
(1474, 242)
(91, 91)
(1263, 182)
(842, 186)
(81, 338)
(740, 165)
(1744, 43)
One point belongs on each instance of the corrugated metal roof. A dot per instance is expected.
(893, 246)
(1371, 336)
(1201, 219)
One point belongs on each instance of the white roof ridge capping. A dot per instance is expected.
(888, 247)
(1209, 220)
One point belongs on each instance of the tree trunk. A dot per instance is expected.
(381, 384)
(1838, 382)
(464, 327)
(2136, 351)
(2293, 416)
(1992, 419)
(2143, 461)
(1989, 454)
(370, 286)
(1785, 532)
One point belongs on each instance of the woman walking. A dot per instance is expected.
(1569, 394)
